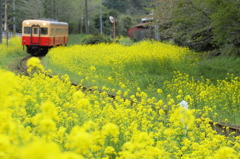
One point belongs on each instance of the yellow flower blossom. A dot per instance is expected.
(110, 129)
(34, 62)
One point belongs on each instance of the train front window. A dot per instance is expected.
(35, 30)
(27, 30)
(44, 31)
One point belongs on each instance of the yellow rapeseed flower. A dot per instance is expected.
(34, 62)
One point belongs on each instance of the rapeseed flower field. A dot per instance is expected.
(220, 100)
(43, 117)
(142, 66)
(118, 65)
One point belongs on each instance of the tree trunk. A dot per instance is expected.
(0, 21)
(6, 21)
(86, 19)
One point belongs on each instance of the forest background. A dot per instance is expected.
(202, 25)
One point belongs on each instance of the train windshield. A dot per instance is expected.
(27, 30)
(35, 30)
(44, 31)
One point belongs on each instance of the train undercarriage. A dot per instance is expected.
(37, 50)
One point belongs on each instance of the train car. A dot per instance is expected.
(42, 34)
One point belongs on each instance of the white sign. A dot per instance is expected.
(111, 19)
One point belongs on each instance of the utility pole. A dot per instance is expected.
(0, 21)
(6, 21)
(113, 20)
(14, 18)
(86, 19)
(114, 30)
(101, 16)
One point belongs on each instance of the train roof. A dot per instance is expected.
(47, 21)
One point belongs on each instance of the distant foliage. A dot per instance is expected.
(225, 21)
(129, 7)
(107, 26)
(124, 23)
(202, 25)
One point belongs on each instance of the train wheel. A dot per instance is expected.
(29, 50)
(44, 51)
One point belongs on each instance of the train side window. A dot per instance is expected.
(52, 31)
(58, 31)
(44, 31)
(27, 30)
(35, 30)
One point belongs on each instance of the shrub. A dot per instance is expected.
(96, 39)
(135, 40)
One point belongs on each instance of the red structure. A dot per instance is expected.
(143, 30)
(140, 26)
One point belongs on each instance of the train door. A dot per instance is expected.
(35, 35)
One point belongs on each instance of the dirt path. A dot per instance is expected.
(13, 65)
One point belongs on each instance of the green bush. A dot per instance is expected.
(96, 39)
(134, 40)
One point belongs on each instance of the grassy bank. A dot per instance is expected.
(75, 38)
(9, 53)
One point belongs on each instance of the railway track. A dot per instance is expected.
(23, 64)
(220, 128)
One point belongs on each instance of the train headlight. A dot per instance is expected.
(44, 23)
(27, 23)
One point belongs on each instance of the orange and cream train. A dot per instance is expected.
(41, 35)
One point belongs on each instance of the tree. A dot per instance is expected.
(30, 9)
(225, 20)
(129, 7)
(50, 9)
(202, 25)
(86, 17)
(107, 25)
(70, 11)
(124, 23)
(118, 5)
(187, 21)
(192, 25)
